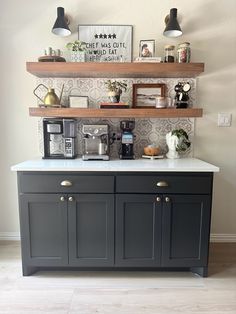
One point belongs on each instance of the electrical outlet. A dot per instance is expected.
(224, 119)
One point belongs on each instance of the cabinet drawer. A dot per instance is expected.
(65, 183)
(192, 184)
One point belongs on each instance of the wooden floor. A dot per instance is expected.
(122, 292)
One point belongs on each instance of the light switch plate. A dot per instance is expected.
(224, 119)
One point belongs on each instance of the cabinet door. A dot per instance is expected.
(186, 227)
(138, 230)
(43, 220)
(91, 230)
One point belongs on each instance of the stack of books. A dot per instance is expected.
(114, 105)
(148, 59)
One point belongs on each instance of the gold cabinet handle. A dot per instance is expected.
(62, 198)
(158, 199)
(167, 199)
(66, 183)
(162, 183)
(71, 198)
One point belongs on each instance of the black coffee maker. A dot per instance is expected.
(59, 136)
(127, 139)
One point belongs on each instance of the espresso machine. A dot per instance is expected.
(59, 138)
(127, 139)
(95, 142)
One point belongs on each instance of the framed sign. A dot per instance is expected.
(144, 95)
(107, 43)
(78, 101)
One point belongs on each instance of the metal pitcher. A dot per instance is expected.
(51, 98)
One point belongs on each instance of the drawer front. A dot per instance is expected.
(164, 184)
(65, 183)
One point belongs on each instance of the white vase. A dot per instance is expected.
(77, 56)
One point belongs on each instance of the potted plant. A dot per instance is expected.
(115, 89)
(77, 50)
(177, 142)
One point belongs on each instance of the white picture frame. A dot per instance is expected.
(107, 43)
(76, 101)
(147, 48)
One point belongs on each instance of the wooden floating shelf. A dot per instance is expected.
(114, 70)
(115, 113)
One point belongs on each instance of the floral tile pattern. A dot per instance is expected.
(147, 131)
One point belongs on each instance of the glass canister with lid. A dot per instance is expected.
(184, 53)
(169, 53)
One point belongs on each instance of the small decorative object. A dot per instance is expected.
(144, 95)
(169, 53)
(181, 97)
(177, 142)
(50, 99)
(161, 102)
(51, 55)
(184, 53)
(147, 48)
(107, 43)
(77, 51)
(115, 89)
(78, 101)
(151, 150)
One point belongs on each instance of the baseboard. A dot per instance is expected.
(9, 236)
(221, 237)
(215, 237)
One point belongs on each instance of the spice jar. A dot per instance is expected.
(169, 53)
(183, 53)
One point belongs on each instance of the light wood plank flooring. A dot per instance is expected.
(119, 292)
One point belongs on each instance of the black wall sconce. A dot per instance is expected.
(61, 27)
(172, 26)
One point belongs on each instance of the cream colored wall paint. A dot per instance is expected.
(209, 25)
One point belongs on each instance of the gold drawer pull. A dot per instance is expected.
(66, 183)
(162, 183)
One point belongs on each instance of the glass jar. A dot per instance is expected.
(184, 53)
(169, 53)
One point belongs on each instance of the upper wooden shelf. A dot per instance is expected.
(114, 70)
(115, 113)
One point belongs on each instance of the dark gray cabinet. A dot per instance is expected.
(138, 231)
(91, 230)
(44, 237)
(115, 220)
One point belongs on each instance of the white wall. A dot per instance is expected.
(210, 27)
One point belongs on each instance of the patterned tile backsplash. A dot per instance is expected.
(147, 131)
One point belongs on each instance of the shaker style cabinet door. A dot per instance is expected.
(186, 228)
(138, 230)
(91, 230)
(43, 219)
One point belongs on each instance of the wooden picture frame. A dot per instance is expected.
(144, 94)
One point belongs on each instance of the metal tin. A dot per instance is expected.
(184, 53)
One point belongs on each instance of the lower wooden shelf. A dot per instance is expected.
(115, 113)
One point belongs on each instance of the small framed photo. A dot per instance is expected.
(144, 95)
(147, 48)
(78, 101)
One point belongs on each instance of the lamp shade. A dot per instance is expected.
(172, 27)
(60, 27)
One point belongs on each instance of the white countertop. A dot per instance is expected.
(137, 165)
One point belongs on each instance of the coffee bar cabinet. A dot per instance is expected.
(115, 219)
(62, 228)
